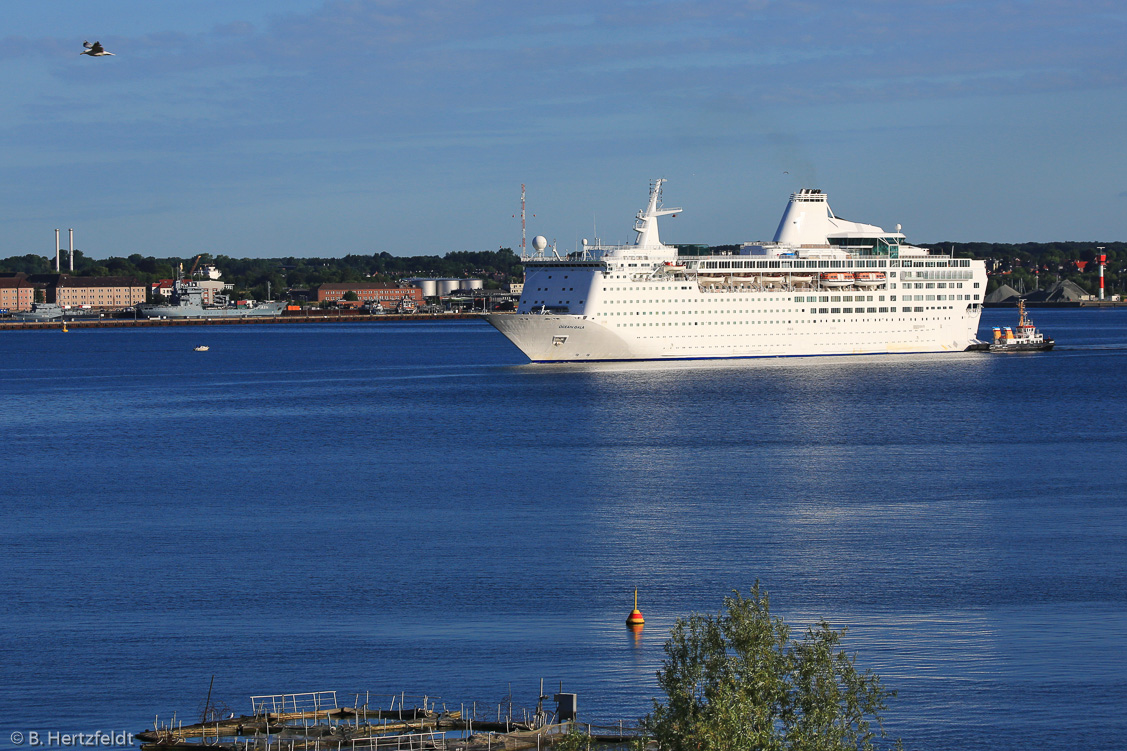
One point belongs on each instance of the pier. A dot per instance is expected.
(315, 722)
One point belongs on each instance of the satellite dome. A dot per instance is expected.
(539, 242)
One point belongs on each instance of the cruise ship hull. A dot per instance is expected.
(560, 338)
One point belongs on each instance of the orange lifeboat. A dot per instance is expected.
(869, 278)
(836, 279)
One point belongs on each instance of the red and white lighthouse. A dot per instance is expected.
(1103, 262)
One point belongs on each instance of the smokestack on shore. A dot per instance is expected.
(57, 269)
(71, 249)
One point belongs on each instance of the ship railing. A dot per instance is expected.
(587, 254)
(597, 252)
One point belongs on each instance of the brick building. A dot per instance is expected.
(105, 292)
(387, 295)
(16, 293)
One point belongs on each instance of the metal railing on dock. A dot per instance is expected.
(316, 721)
(297, 704)
(408, 742)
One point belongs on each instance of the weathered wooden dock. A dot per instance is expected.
(314, 722)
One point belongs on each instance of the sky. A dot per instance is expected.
(320, 128)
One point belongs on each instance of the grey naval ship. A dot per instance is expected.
(40, 312)
(187, 302)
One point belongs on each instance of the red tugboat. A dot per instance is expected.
(1027, 339)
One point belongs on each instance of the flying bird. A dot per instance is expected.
(95, 50)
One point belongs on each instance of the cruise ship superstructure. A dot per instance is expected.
(823, 286)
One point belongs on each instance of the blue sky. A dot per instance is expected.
(302, 127)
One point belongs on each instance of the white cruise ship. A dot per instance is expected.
(823, 286)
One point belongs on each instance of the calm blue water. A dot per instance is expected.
(412, 508)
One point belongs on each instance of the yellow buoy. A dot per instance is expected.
(635, 618)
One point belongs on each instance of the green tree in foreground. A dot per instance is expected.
(737, 681)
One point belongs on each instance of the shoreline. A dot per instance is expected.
(103, 323)
(1066, 304)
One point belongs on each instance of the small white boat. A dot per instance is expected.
(201, 348)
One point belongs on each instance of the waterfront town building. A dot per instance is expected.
(387, 295)
(16, 293)
(95, 292)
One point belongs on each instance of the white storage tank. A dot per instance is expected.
(429, 287)
(473, 284)
(446, 286)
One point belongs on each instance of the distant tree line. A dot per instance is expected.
(1031, 265)
(253, 276)
(1017, 264)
